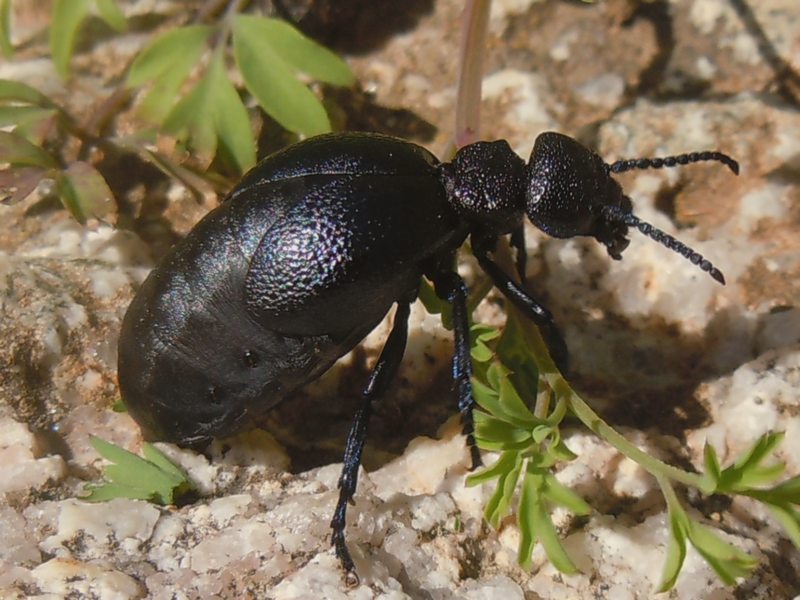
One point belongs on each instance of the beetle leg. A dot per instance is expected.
(526, 303)
(450, 287)
(518, 243)
(382, 373)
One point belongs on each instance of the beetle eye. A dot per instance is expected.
(251, 359)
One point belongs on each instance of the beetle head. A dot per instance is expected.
(570, 192)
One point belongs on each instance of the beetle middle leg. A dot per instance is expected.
(382, 373)
(450, 287)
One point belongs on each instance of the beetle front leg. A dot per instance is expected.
(526, 303)
(450, 287)
(382, 373)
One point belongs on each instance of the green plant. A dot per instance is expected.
(34, 119)
(267, 52)
(183, 86)
(154, 478)
(531, 447)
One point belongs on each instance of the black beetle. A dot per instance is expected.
(309, 252)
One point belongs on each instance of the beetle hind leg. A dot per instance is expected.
(379, 380)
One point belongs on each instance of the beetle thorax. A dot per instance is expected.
(485, 184)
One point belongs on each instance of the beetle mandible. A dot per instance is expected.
(312, 248)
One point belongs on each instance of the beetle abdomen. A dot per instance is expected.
(279, 281)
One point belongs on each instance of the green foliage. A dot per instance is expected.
(82, 189)
(212, 114)
(166, 63)
(529, 447)
(269, 54)
(187, 87)
(727, 561)
(6, 47)
(68, 16)
(435, 305)
(531, 450)
(153, 478)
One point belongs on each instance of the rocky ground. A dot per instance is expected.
(668, 356)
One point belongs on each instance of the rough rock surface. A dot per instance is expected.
(668, 356)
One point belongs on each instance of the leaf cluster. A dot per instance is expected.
(194, 89)
(268, 53)
(529, 446)
(31, 120)
(507, 381)
(154, 478)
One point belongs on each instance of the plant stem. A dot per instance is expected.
(475, 23)
(592, 420)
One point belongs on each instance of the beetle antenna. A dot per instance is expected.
(672, 161)
(618, 215)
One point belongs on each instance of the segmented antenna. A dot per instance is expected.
(672, 161)
(618, 215)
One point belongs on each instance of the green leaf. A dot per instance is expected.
(16, 91)
(558, 451)
(761, 449)
(179, 49)
(112, 15)
(487, 398)
(505, 464)
(514, 351)
(6, 47)
(499, 504)
(676, 550)
(535, 523)
(727, 561)
(493, 434)
(230, 118)
(747, 471)
(162, 461)
(103, 492)
(192, 118)
(17, 151)
(166, 63)
(481, 336)
(67, 18)
(514, 409)
(302, 53)
(786, 492)
(212, 113)
(561, 495)
(155, 479)
(84, 192)
(23, 115)
(789, 518)
(712, 469)
(271, 80)
(435, 305)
